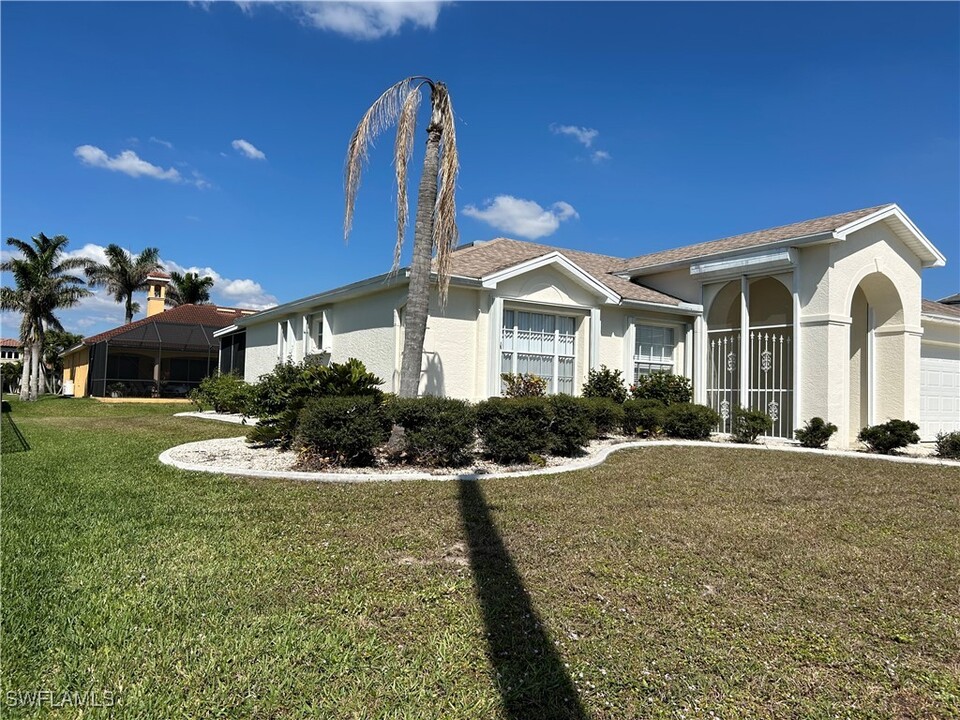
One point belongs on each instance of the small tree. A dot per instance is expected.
(662, 386)
(816, 433)
(605, 383)
(890, 436)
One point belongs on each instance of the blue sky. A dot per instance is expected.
(216, 131)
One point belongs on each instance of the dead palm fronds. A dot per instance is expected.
(435, 231)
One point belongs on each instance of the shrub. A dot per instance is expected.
(948, 445)
(605, 383)
(571, 425)
(889, 436)
(643, 417)
(816, 433)
(437, 431)
(279, 396)
(748, 425)
(513, 429)
(525, 385)
(224, 393)
(342, 430)
(689, 421)
(607, 416)
(662, 386)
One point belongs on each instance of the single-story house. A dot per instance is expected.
(816, 318)
(165, 354)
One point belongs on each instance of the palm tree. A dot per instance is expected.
(42, 286)
(124, 274)
(189, 289)
(435, 229)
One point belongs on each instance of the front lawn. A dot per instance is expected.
(669, 582)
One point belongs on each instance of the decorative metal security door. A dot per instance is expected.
(771, 377)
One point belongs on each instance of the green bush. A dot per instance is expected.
(605, 383)
(689, 421)
(279, 396)
(523, 385)
(748, 425)
(514, 429)
(342, 430)
(889, 436)
(643, 417)
(437, 431)
(224, 393)
(571, 425)
(662, 386)
(607, 415)
(948, 445)
(816, 433)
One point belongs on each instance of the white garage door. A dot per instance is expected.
(939, 390)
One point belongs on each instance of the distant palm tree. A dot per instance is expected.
(435, 229)
(188, 289)
(124, 274)
(43, 285)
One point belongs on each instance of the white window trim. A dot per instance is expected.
(559, 312)
(630, 346)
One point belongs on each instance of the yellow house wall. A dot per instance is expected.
(78, 363)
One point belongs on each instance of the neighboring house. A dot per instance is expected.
(818, 318)
(10, 351)
(166, 354)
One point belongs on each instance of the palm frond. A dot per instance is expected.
(445, 232)
(381, 115)
(403, 149)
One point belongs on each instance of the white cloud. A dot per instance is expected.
(584, 136)
(166, 143)
(248, 149)
(368, 20)
(598, 156)
(127, 162)
(240, 292)
(523, 218)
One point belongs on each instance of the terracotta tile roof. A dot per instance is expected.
(749, 240)
(159, 274)
(483, 258)
(929, 307)
(9, 342)
(207, 315)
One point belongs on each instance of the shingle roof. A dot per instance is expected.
(9, 342)
(929, 307)
(483, 258)
(951, 300)
(757, 238)
(207, 315)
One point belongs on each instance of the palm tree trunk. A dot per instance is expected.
(35, 370)
(418, 295)
(25, 373)
(129, 308)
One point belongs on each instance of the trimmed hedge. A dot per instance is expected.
(948, 445)
(607, 415)
(643, 417)
(662, 386)
(605, 383)
(689, 421)
(748, 425)
(816, 433)
(571, 425)
(513, 429)
(342, 430)
(889, 436)
(437, 431)
(224, 393)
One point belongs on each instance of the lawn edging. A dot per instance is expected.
(583, 463)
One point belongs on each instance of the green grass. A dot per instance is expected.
(666, 583)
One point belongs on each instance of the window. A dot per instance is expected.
(284, 344)
(315, 344)
(541, 345)
(653, 350)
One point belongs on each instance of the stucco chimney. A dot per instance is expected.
(157, 293)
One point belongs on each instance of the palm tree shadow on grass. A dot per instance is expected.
(530, 675)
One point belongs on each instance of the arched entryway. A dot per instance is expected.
(750, 351)
(876, 358)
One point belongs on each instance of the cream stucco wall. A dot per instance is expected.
(832, 339)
